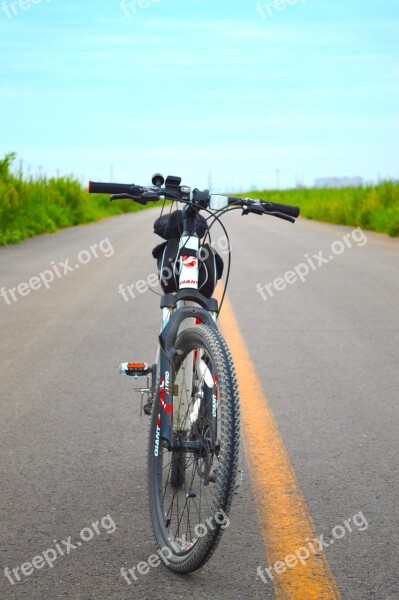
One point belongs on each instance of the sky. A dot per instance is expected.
(234, 94)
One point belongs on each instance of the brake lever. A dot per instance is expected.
(151, 195)
(280, 216)
(124, 196)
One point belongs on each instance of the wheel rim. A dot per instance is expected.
(185, 480)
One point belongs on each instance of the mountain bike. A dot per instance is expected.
(191, 393)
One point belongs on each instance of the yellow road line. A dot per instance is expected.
(283, 516)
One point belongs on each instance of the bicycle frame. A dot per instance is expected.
(175, 313)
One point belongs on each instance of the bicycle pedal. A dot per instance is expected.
(134, 369)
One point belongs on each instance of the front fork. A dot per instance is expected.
(172, 416)
(165, 404)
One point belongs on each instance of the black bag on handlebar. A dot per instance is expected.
(168, 262)
(171, 225)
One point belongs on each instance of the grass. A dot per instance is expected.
(41, 205)
(31, 206)
(370, 207)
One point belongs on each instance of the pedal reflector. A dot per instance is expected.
(134, 369)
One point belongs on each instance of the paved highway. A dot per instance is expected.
(316, 339)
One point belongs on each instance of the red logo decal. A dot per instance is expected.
(189, 261)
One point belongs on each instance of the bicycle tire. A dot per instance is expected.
(220, 452)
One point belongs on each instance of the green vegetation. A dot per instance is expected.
(32, 206)
(29, 206)
(369, 207)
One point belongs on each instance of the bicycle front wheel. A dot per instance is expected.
(191, 489)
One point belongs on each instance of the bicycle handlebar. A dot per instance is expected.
(97, 187)
(143, 194)
(286, 209)
(283, 211)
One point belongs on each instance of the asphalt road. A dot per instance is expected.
(73, 447)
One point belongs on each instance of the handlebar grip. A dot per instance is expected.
(286, 209)
(97, 187)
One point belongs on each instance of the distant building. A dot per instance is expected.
(338, 182)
